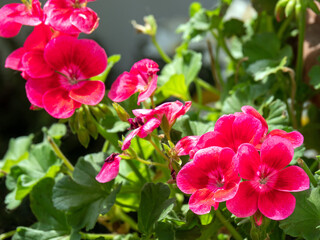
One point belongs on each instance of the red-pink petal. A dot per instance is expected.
(151, 87)
(249, 161)
(201, 201)
(294, 137)
(109, 170)
(245, 202)
(37, 87)
(148, 127)
(222, 195)
(88, 92)
(276, 205)
(292, 179)
(23, 15)
(58, 103)
(252, 111)
(85, 19)
(276, 152)
(13, 61)
(123, 87)
(127, 141)
(35, 66)
(8, 28)
(246, 129)
(186, 144)
(84, 58)
(144, 68)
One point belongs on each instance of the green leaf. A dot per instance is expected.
(164, 231)
(192, 128)
(261, 69)
(57, 130)
(176, 87)
(154, 206)
(112, 60)
(52, 223)
(83, 197)
(277, 117)
(17, 151)
(314, 75)
(206, 219)
(233, 27)
(305, 220)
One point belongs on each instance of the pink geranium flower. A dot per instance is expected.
(186, 145)
(66, 86)
(110, 168)
(267, 182)
(142, 78)
(148, 120)
(14, 15)
(70, 16)
(211, 178)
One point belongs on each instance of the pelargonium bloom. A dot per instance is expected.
(148, 120)
(268, 182)
(142, 78)
(110, 168)
(66, 86)
(70, 16)
(211, 178)
(14, 15)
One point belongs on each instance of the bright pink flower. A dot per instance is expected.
(148, 120)
(210, 178)
(186, 145)
(268, 181)
(110, 168)
(14, 15)
(140, 127)
(70, 16)
(142, 78)
(294, 137)
(66, 86)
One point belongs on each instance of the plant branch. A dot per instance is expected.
(151, 163)
(59, 154)
(164, 56)
(305, 167)
(159, 150)
(218, 82)
(7, 234)
(228, 225)
(92, 236)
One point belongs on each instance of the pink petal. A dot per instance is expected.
(276, 152)
(58, 103)
(148, 127)
(201, 201)
(249, 161)
(276, 205)
(23, 15)
(8, 28)
(88, 92)
(186, 144)
(13, 61)
(37, 87)
(151, 87)
(246, 129)
(85, 19)
(35, 66)
(123, 87)
(245, 202)
(292, 179)
(39, 38)
(127, 141)
(294, 137)
(222, 195)
(253, 112)
(109, 171)
(144, 68)
(83, 58)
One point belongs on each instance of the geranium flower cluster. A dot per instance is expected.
(241, 163)
(55, 63)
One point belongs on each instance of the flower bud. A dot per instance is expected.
(150, 27)
(290, 7)
(96, 111)
(83, 137)
(122, 113)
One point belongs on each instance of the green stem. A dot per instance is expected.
(92, 236)
(217, 81)
(305, 167)
(7, 234)
(164, 56)
(228, 225)
(136, 171)
(284, 26)
(223, 44)
(159, 150)
(124, 217)
(59, 154)
(126, 206)
(302, 28)
(151, 163)
(207, 86)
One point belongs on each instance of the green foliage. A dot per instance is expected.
(82, 197)
(314, 75)
(305, 220)
(154, 206)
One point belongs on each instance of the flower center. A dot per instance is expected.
(77, 4)
(111, 158)
(135, 123)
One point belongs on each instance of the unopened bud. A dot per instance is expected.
(149, 28)
(121, 112)
(291, 5)
(98, 114)
(104, 108)
(83, 137)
